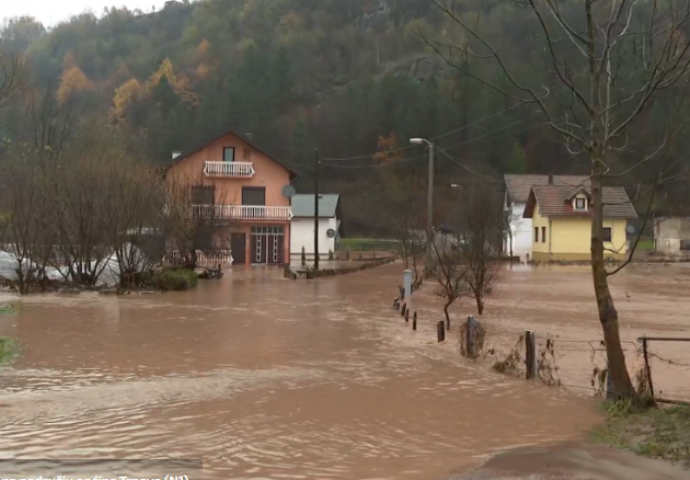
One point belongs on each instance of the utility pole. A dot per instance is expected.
(429, 193)
(316, 209)
(430, 198)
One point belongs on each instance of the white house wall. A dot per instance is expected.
(521, 230)
(302, 235)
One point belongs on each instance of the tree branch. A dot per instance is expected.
(639, 235)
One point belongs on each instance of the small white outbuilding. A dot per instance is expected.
(302, 225)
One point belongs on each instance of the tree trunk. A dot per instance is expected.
(445, 310)
(480, 304)
(608, 315)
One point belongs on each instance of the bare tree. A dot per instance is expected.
(12, 78)
(612, 58)
(407, 225)
(47, 123)
(179, 223)
(23, 201)
(482, 226)
(134, 202)
(194, 222)
(449, 271)
(43, 128)
(79, 180)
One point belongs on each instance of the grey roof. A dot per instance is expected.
(303, 205)
(519, 186)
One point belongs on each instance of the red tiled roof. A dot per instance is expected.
(556, 201)
(519, 186)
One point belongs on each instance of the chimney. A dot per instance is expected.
(176, 154)
(550, 178)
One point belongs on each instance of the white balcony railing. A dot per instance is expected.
(229, 169)
(243, 212)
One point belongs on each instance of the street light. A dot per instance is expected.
(454, 185)
(430, 187)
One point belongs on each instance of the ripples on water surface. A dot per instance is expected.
(263, 378)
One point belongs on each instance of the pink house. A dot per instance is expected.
(242, 187)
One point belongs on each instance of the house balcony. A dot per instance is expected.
(229, 169)
(243, 212)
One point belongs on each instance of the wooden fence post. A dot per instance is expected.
(648, 369)
(531, 354)
(414, 322)
(469, 337)
(441, 331)
(404, 309)
(407, 316)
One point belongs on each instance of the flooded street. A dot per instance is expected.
(265, 378)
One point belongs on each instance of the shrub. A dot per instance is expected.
(177, 280)
(8, 349)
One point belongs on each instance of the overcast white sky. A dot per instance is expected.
(51, 12)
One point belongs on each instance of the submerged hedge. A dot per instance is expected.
(177, 280)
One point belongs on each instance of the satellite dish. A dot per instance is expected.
(630, 229)
(289, 191)
(330, 233)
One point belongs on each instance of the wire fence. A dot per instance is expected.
(582, 364)
(668, 375)
(659, 365)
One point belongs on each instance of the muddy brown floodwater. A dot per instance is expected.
(264, 378)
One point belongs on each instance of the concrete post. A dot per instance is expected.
(407, 284)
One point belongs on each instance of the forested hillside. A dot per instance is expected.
(349, 77)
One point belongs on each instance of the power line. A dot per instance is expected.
(377, 165)
(467, 142)
(464, 127)
(481, 137)
(492, 180)
(477, 122)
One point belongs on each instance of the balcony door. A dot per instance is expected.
(228, 154)
(254, 196)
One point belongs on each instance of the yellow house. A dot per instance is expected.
(562, 223)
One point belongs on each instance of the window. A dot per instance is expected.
(203, 195)
(580, 204)
(536, 234)
(228, 154)
(254, 196)
(543, 234)
(607, 234)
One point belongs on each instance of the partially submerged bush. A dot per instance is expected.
(177, 280)
(8, 349)
(9, 309)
